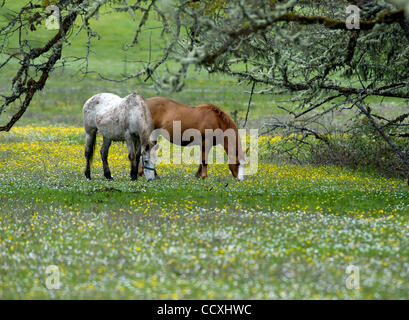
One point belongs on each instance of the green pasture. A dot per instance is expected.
(287, 232)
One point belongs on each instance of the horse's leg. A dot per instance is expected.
(90, 138)
(140, 169)
(199, 171)
(205, 153)
(231, 158)
(138, 151)
(106, 143)
(132, 156)
(137, 148)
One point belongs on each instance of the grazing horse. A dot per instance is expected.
(120, 119)
(202, 118)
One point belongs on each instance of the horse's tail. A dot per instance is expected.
(90, 142)
(88, 112)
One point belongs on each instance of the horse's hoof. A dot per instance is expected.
(108, 176)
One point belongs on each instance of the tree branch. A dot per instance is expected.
(33, 86)
(388, 17)
(367, 113)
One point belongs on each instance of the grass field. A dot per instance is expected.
(287, 232)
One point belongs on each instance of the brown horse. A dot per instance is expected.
(165, 111)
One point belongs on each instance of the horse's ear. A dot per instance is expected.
(247, 150)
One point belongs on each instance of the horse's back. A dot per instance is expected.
(169, 103)
(97, 105)
(101, 103)
(114, 117)
(164, 111)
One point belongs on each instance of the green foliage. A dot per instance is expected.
(403, 4)
(362, 149)
(46, 3)
(210, 7)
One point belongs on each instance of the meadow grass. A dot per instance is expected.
(286, 232)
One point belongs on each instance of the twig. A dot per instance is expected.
(248, 106)
(367, 112)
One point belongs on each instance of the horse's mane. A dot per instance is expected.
(222, 115)
(228, 121)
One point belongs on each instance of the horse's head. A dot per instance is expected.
(237, 170)
(148, 160)
(237, 167)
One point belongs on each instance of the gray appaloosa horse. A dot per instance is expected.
(120, 119)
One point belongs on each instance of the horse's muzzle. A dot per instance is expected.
(149, 173)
